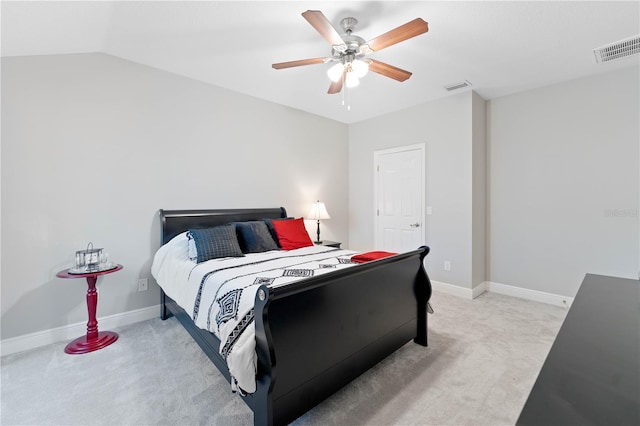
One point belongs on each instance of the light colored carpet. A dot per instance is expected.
(483, 358)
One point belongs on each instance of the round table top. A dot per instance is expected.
(66, 274)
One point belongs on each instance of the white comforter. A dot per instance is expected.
(219, 294)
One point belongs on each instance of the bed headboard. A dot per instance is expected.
(175, 222)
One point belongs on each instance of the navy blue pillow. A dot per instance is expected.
(255, 237)
(216, 242)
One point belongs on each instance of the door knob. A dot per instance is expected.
(414, 225)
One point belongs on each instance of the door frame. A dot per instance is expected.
(421, 147)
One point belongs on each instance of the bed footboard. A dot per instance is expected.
(315, 337)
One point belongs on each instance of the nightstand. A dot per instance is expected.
(94, 339)
(328, 243)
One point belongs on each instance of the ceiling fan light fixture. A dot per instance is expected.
(349, 51)
(335, 72)
(360, 68)
(351, 80)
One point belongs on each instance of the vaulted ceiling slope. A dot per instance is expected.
(499, 47)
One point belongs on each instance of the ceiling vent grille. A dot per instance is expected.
(456, 86)
(617, 50)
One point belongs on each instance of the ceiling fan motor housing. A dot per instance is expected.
(354, 46)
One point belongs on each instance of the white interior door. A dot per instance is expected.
(399, 189)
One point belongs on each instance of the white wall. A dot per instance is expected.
(564, 183)
(446, 127)
(93, 146)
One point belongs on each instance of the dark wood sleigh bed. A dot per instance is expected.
(316, 335)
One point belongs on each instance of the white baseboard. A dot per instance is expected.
(466, 293)
(69, 332)
(508, 290)
(479, 289)
(535, 295)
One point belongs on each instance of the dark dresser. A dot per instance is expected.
(592, 373)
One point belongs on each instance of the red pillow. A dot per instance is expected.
(292, 234)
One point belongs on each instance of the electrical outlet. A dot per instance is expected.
(143, 284)
(447, 265)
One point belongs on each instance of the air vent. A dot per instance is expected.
(617, 50)
(456, 86)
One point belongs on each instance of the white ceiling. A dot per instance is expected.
(500, 47)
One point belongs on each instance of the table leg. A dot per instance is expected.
(92, 305)
(94, 339)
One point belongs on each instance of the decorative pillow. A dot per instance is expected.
(272, 231)
(193, 253)
(254, 237)
(216, 242)
(292, 234)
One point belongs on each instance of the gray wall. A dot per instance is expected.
(561, 164)
(446, 127)
(533, 190)
(93, 146)
(564, 183)
(479, 190)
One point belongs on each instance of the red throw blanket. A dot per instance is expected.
(371, 255)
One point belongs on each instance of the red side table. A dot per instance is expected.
(94, 340)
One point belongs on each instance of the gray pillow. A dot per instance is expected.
(255, 237)
(272, 231)
(216, 242)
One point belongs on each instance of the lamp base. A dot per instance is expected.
(318, 241)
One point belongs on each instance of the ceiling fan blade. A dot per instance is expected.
(336, 86)
(388, 70)
(298, 63)
(403, 32)
(323, 26)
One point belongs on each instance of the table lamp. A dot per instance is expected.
(318, 211)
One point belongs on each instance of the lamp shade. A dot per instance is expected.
(360, 68)
(335, 72)
(352, 79)
(318, 211)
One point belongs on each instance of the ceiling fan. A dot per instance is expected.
(349, 51)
